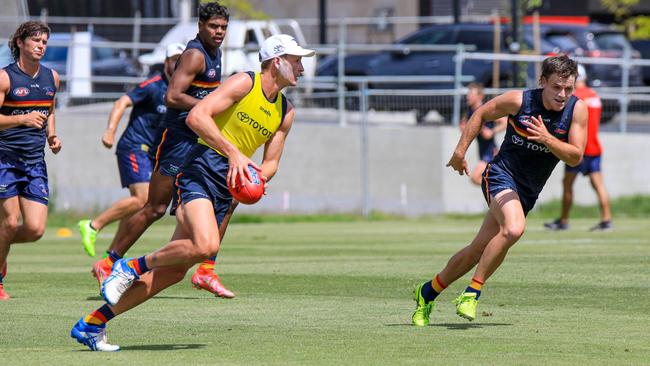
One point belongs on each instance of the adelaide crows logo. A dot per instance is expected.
(517, 140)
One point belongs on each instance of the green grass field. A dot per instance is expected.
(340, 293)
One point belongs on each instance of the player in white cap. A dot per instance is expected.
(246, 112)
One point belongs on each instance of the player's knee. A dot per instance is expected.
(34, 232)
(207, 248)
(513, 232)
(10, 225)
(155, 211)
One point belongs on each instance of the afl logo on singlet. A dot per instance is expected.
(212, 73)
(21, 92)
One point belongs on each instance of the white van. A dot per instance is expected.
(240, 48)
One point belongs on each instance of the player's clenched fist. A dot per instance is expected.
(34, 119)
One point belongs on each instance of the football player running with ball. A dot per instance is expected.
(244, 113)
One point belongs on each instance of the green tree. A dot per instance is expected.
(241, 9)
(637, 27)
(620, 8)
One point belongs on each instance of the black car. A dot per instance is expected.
(594, 40)
(425, 63)
(407, 62)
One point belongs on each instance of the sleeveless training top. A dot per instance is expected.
(146, 116)
(250, 123)
(528, 162)
(200, 87)
(27, 94)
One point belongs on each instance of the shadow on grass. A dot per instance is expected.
(456, 326)
(461, 326)
(99, 298)
(163, 347)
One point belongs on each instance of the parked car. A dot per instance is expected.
(104, 61)
(424, 63)
(395, 63)
(594, 40)
(240, 48)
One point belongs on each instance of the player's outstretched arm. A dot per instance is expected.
(201, 121)
(498, 107)
(114, 117)
(275, 146)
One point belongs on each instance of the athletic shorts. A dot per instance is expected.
(171, 153)
(135, 167)
(203, 175)
(496, 179)
(589, 164)
(19, 178)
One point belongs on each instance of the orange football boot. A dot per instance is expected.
(101, 270)
(210, 282)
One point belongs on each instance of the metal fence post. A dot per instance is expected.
(365, 179)
(625, 83)
(458, 74)
(137, 28)
(341, 71)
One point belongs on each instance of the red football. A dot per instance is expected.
(251, 191)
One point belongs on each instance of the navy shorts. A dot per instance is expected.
(19, 178)
(171, 153)
(589, 164)
(135, 167)
(496, 179)
(203, 175)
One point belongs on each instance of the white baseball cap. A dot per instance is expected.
(282, 44)
(582, 73)
(174, 49)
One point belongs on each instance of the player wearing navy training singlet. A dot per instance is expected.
(197, 73)
(487, 146)
(544, 126)
(27, 91)
(247, 112)
(134, 150)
